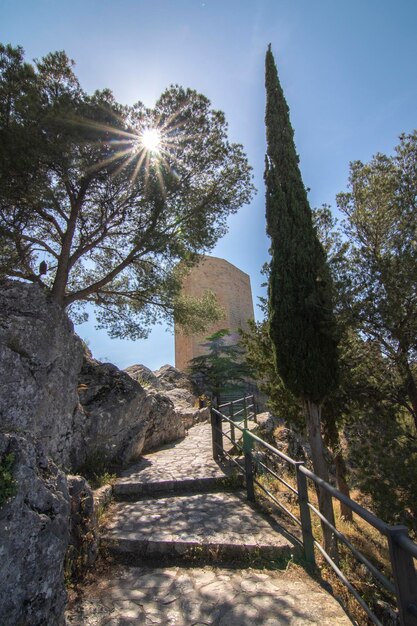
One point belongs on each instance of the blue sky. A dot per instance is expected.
(348, 69)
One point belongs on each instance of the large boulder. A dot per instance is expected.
(163, 422)
(144, 376)
(177, 386)
(34, 537)
(114, 406)
(187, 407)
(122, 418)
(169, 377)
(40, 358)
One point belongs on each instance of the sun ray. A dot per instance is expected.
(107, 128)
(123, 165)
(138, 165)
(152, 142)
(161, 181)
(109, 160)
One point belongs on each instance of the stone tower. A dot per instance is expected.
(233, 293)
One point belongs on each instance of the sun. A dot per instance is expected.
(150, 139)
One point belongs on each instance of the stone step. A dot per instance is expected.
(212, 526)
(135, 490)
(184, 466)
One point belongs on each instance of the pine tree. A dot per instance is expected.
(302, 325)
(223, 366)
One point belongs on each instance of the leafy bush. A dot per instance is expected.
(96, 469)
(384, 457)
(8, 486)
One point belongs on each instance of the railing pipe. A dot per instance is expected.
(402, 549)
(255, 417)
(232, 424)
(404, 574)
(356, 508)
(348, 584)
(374, 571)
(247, 449)
(216, 433)
(305, 515)
(245, 413)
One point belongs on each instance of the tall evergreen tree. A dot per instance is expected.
(302, 325)
(223, 367)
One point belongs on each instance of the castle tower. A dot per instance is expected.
(233, 293)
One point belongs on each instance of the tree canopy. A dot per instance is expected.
(380, 287)
(100, 202)
(223, 366)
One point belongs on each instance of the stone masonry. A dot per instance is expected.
(233, 291)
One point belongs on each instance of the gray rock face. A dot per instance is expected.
(144, 376)
(177, 386)
(40, 358)
(42, 419)
(171, 378)
(163, 424)
(83, 541)
(34, 538)
(186, 407)
(114, 406)
(122, 418)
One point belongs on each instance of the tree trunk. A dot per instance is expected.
(332, 440)
(412, 394)
(313, 420)
(341, 473)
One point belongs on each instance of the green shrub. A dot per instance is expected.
(8, 486)
(384, 456)
(96, 469)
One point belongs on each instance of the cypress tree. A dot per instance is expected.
(302, 324)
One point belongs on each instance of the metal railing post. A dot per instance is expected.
(305, 515)
(247, 449)
(405, 577)
(255, 418)
(216, 434)
(245, 413)
(232, 426)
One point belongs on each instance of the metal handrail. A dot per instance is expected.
(369, 517)
(275, 475)
(408, 544)
(382, 579)
(278, 503)
(402, 548)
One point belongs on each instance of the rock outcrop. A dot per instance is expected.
(122, 418)
(40, 358)
(83, 529)
(177, 386)
(34, 537)
(144, 376)
(170, 378)
(58, 406)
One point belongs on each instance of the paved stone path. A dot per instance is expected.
(213, 523)
(220, 526)
(179, 466)
(176, 596)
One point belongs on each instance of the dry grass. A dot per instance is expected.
(365, 538)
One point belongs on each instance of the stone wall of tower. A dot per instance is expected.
(234, 294)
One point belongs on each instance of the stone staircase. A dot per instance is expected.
(178, 523)
(178, 502)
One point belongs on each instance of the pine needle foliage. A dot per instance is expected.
(223, 366)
